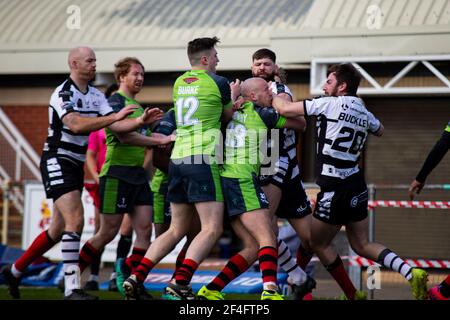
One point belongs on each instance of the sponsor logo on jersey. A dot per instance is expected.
(67, 105)
(65, 94)
(190, 80)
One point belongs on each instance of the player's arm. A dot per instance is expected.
(434, 157)
(137, 139)
(379, 132)
(91, 164)
(148, 117)
(91, 157)
(78, 124)
(161, 157)
(288, 109)
(227, 115)
(298, 123)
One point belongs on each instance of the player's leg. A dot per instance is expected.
(322, 235)
(211, 220)
(161, 246)
(71, 208)
(357, 233)
(40, 245)
(92, 249)
(441, 291)
(122, 250)
(237, 264)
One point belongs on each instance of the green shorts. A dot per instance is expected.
(243, 195)
(118, 196)
(161, 207)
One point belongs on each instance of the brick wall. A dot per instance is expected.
(32, 122)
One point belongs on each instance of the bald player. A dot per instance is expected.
(75, 109)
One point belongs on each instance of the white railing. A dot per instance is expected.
(24, 155)
(319, 74)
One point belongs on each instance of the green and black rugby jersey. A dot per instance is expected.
(244, 136)
(199, 98)
(124, 161)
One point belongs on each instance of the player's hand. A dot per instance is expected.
(162, 140)
(151, 115)
(415, 188)
(125, 112)
(237, 105)
(235, 88)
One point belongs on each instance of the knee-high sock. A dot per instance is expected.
(233, 269)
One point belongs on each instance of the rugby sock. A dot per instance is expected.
(95, 264)
(303, 257)
(88, 254)
(234, 268)
(184, 274)
(124, 246)
(337, 270)
(286, 261)
(136, 256)
(93, 277)
(392, 261)
(70, 250)
(41, 244)
(143, 269)
(444, 287)
(268, 258)
(179, 262)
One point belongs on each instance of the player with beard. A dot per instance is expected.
(75, 109)
(124, 186)
(343, 124)
(283, 186)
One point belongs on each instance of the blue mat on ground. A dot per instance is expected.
(45, 274)
(48, 274)
(248, 282)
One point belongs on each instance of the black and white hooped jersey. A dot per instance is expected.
(65, 99)
(287, 165)
(343, 124)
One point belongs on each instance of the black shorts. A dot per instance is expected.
(118, 196)
(281, 175)
(294, 203)
(342, 206)
(191, 183)
(61, 175)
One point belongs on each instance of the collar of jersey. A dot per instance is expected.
(127, 97)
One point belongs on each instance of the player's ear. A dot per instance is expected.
(204, 60)
(342, 87)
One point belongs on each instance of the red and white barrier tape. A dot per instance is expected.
(409, 204)
(420, 263)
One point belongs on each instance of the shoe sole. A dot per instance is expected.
(128, 291)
